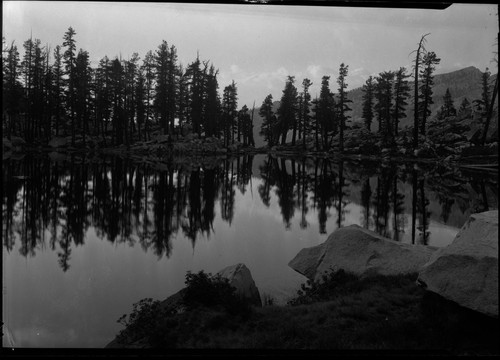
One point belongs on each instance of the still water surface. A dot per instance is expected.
(84, 240)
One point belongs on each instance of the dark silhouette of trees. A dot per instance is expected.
(149, 76)
(268, 126)
(165, 58)
(490, 105)
(12, 88)
(245, 122)
(429, 61)
(419, 53)
(119, 100)
(325, 113)
(229, 112)
(287, 112)
(57, 88)
(401, 94)
(69, 67)
(368, 97)
(305, 118)
(448, 108)
(212, 103)
(383, 94)
(342, 103)
(82, 83)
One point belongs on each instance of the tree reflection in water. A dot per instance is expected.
(128, 202)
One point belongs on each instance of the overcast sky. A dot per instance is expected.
(259, 45)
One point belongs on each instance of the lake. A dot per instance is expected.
(84, 239)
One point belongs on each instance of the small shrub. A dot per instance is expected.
(331, 284)
(268, 300)
(213, 291)
(145, 319)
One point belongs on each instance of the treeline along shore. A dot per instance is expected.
(54, 98)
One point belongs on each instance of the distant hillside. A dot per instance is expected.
(464, 83)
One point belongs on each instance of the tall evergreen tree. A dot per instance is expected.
(368, 96)
(148, 66)
(212, 103)
(401, 94)
(485, 89)
(58, 87)
(82, 79)
(384, 103)
(325, 113)
(448, 108)
(196, 79)
(287, 112)
(229, 112)
(268, 126)
(162, 58)
(420, 51)
(12, 90)
(69, 67)
(343, 103)
(429, 61)
(306, 127)
(117, 92)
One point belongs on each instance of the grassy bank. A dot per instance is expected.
(343, 312)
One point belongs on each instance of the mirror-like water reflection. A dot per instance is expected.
(83, 240)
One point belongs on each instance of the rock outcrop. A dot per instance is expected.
(466, 271)
(240, 277)
(362, 252)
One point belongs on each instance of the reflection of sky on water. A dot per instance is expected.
(46, 307)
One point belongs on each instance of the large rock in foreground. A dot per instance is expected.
(466, 271)
(362, 252)
(240, 277)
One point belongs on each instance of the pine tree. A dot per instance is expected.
(244, 121)
(342, 103)
(325, 114)
(212, 103)
(384, 103)
(12, 90)
(117, 92)
(305, 110)
(427, 73)
(485, 90)
(69, 67)
(287, 112)
(148, 66)
(82, 81)
(368, 95)
(229, 106)
(416, 109)
(447, 109)
(161, 95)
(401, 94)
(139, 97)
(58, 82)
(267, 129)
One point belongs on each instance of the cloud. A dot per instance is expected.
(314, 70)
(235, 69)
